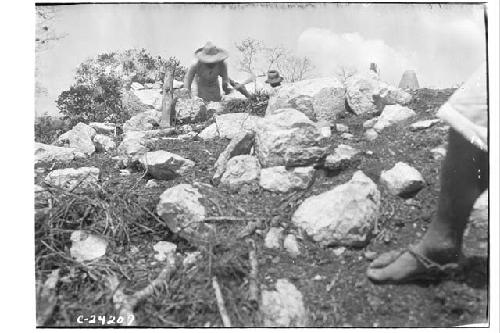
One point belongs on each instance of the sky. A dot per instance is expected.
(443, 43)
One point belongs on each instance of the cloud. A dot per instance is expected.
(330, 51)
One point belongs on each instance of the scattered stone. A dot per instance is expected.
(187, 136)
(283, 307)
(86, 246)
(281, 179)
(370, 255)
(132, 147)
(209, 132)
(402, 180)
(360, 89)
(289, 138)
(103, 143)
(325, 131)
(69, 179)
(215, 107)
(343, 216)
(438, 153)
(291, 245)
(143, 121)
(273, 238)
(191, 110)
(164, 165)
(423, 124)
(370, 122)
(338, 251)
(191, 258)
(152, 184)
(49, 153)
(79, 137)
(182, 211)
(341, 127)
(347, 136)
(371, 134)
(343, 157)
(231, 124)
(240, 170)
(164, 250)
(103, 128)
(125, 173)
(241, 144)
(320, 99)
(41, 196)
(151, 97)
(318, 277)
(391, 115)
(136, 86)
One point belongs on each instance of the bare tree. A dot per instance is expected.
(250, 50)
(274, 55)
(294, 68)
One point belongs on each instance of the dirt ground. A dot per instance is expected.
(334, 286)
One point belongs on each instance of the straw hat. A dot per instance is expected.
(273, 77)
(210, 53)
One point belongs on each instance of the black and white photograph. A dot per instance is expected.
(260, 164)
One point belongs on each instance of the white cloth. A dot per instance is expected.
(467, 109)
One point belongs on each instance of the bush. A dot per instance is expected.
(255, 105)
(48, 129)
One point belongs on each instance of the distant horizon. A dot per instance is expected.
(442, 43)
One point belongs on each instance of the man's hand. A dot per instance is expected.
(226, 88)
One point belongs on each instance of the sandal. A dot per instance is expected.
(425, 270)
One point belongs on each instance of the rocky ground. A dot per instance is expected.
(331, 280)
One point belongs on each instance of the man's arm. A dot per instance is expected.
(225, 77)
(189, 77)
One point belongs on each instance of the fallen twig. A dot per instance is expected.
(125, 304)
(220, 303)
(254, 271)
(230, 218)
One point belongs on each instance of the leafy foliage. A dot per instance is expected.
(255, 105)
(48, 128)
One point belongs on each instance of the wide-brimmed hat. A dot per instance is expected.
(210, 53)
(273, 76)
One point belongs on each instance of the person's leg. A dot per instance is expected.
(463, 178)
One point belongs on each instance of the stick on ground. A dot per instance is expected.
(220, 303)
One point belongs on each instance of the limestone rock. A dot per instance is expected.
(86, 246)
(49, 153)
(241, 144)
(341, 128)
(165, 165)
(273, 238)
(391, 115)
(423, 124)
(320, 99)
(136, 86)
(231, 124)
(209, 132)
(371, 134)
(402, 180)
(283, 307)
(347, 136)
(280, 179)
(189, 110)
(181, 209)
(80, 138)
(103, 143)
(150, 97)
(151, 184)
(147, 120)
(343, 216)
(164, 250)
(69, 179)
(291, 245)
(438, 152)
(215, 107)
(289, 138)
(103, 128)
(132, 147)
(240, 170)
(342, 158)
(370, 122)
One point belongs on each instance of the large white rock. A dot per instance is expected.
(49, 153)
(289, 138)
(403, 180)
(132, 147)
(165, 165)
(164, 250)
(273, 238)
(209, 132)
(182, 211)
(365, 93)
(86, 246)
(280, 179)
(231, 124)
(143, 121)
(103, 128)
(103, 143)
(343, 216)
(283, 307)
(79, 137)
(188, 110)
(391, 115)
(343, 157)
(291, 245)
(150, 97)
(241, 144)
(240, 170)
(321, 99)
(70, 178)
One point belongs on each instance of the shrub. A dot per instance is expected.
(255, 105)
(48, 129)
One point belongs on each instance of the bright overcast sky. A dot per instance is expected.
(444, 44)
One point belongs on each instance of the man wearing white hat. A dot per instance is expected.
(209, 66)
